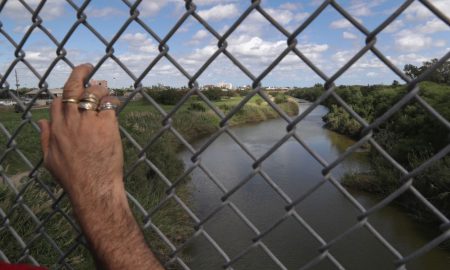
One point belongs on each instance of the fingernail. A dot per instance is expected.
(89, 64)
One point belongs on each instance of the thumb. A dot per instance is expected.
(44, 125)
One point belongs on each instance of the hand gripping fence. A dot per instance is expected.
(57, 207)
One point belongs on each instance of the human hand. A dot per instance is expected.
(82, 149)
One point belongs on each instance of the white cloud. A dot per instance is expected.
(440, 43)
(201, 34)
(104, 12)
(342, 56)
(433, 26)
(417, 11)
(282, 16)
(21, 29)
(394, 26)
(139, 42)
(301, 16)
(51, 10)
(364, 7)
(290, 6)
(40, 56)
(349, 35)
(257, 53)
(411, 41)
(152, 7)
(410, 58)
(342, 23)
(213, 2)
(219, 12)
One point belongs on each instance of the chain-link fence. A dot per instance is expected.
(30, 229)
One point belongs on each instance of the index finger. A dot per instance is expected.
(74, 86)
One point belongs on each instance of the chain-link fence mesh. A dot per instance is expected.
(30, 229)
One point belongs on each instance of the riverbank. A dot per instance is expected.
(410, 136)
(193, 120)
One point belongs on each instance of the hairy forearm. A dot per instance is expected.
(111, 230)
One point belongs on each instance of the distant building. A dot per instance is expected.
(103, 83)
(56, 92)
(208, 86)
(224, 85)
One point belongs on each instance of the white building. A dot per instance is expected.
(224, 85)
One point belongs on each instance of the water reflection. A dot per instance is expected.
(293, 169)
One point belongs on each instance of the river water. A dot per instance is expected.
(326, 210)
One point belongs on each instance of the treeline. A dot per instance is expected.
(440, 75)
(411, 136)
(171, 96)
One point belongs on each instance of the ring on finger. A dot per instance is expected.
(70, 100)
(107, 106)
(89, 97)
(87, 106)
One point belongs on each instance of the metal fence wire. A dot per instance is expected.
(57, 202)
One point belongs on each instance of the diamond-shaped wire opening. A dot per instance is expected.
(190, 51)
(360, 242)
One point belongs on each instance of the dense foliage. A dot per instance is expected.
(440, 75)
(169, 96)
(411, 136)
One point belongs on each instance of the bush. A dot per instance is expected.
(280, 98)
(197, 106)
(167, 97)
(213, 94)
(225, 107)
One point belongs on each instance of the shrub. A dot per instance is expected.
(167, 97)
(213, 94)
(197, 106)
(280, 98)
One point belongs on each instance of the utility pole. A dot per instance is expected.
(17, 83)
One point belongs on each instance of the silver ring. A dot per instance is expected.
(87, 106)
(107, 106)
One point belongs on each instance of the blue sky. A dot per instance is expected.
(328, 42)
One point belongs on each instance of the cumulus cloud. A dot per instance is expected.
(433, 26)
(139, 42)
(105, 12)
(199, 36)
(219, 12)
(40, 55)
(257, 53)
(21, 29)
(290, 6)
(417, 11)
(410, 58)
(411, 41)
(342, 23)
(51, 10)
(342, 56)
(394, 26)
(371, 74)
(363, 7)
(153, 7)
(349, 35)
(213, 2)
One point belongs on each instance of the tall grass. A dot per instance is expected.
(141, 122)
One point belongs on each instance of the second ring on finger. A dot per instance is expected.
(109, 103)
(91, 98)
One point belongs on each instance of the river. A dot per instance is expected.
(326, 210)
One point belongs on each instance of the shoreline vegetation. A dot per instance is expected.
(194, 120)
(411, 136)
